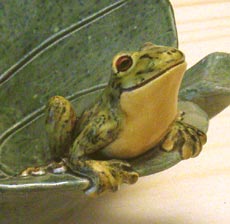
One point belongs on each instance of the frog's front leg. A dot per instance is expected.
(105, 175)
(185, 138)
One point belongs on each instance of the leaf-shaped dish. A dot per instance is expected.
(64, 49)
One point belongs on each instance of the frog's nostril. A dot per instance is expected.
(169, 53)
(174, 50)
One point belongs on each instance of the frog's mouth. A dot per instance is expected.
(154, 77)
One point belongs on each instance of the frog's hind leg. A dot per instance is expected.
(60, 123)
(185, 138)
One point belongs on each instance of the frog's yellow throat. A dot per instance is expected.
(148, 111)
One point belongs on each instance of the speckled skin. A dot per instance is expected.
(104, 128)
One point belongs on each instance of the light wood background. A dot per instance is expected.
(197, 190)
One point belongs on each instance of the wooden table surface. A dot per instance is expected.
(197, 190)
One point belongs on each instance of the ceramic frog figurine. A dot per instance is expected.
(135, 112)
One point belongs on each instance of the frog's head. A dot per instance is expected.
(132, 70)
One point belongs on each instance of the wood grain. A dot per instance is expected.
(197, 190)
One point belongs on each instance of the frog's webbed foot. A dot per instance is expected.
(54, 167)
(104, 175)
(185, 138)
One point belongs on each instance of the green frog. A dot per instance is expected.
(135, 112)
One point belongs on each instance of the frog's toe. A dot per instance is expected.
(125, 170)
(54, 167)
(33, 171)
(185, 138)
(191, 147)
(105, 175)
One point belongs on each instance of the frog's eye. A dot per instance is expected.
(123, 63)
